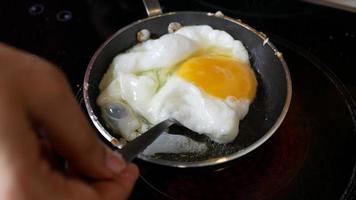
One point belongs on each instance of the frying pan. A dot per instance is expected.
(266, 112)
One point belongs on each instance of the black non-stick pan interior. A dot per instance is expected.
(267, 109)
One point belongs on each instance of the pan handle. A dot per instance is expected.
(152, 7)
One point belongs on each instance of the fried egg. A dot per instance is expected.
(197, 75)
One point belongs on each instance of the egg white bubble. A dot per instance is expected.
(242, 105)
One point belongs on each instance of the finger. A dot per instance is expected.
(53, 106)
(54, 160)
(18, 145)
(41, 93)
(121, 187)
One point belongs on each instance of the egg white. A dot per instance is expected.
(143, 77)
(206, 37)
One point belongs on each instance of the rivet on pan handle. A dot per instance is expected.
(152, 7)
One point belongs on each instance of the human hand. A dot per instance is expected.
(35, 95)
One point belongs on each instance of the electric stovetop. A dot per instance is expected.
(313, 153)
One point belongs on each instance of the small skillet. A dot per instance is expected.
(266, 112)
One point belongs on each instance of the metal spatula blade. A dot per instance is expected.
(136, 146)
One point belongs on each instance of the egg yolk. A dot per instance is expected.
(220, 76)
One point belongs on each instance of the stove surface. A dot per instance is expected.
(312, 155)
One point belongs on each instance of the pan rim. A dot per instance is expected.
(208, 162)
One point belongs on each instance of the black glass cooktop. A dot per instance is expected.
(311, 156)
